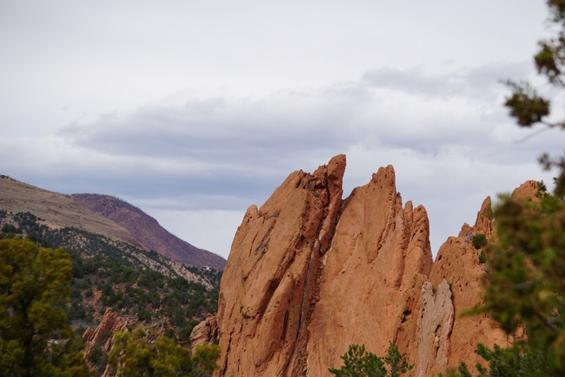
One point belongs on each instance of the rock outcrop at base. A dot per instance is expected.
(205, 332)
(310, 273)
(102, 337)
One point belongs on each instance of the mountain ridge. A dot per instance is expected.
(105, 215)
(147, 231)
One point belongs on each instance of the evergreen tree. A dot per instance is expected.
(358, 362)
(525, 290)
(527, 106)
(35, 336)
(133, 356)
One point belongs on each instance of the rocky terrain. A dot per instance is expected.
(310, 273)
(104, 215)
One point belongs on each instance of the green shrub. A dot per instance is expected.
(479, 241)
(357, 362)
(10, 228)
(482, 257)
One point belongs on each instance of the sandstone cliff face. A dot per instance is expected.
(269, 281)
(377, 262)
(309, 274)
(458, 263)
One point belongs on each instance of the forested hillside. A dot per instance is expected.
(131, 281)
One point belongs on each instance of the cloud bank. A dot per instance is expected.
(197, 163)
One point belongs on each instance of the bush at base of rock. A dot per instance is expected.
(133, 355)
(358, 362)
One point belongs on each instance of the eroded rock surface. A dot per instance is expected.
(434, 327)
(205, 332)
(309, 274)
(378, 259)
(269, 281)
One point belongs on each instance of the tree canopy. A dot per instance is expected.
(35, 336)
(525, 285)
(133, 355)
(358, 362)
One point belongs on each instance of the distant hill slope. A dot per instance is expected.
(57, 210)
(147, 232)
(104, 215)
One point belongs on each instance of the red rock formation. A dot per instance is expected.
(205, 332)
(269, 280)
(458, 264)
(378, 259)
(103, 335)
(527, 190)
(309, 274)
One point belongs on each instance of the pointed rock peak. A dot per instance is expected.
(483, 223)
(336, 167)
(420, 212)
(385, 176)
(251, 213)
(466, 231)
(526, 191)
(486, 208)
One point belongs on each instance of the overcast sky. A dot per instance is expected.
(193, 110)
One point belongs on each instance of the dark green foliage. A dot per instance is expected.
(483, 257)
(507, 362)
(526, 105)
(133, 356)
(526, 289)
(358, 362)
(479, 241)
(35, 336)
(10, 228)
(98, 359)
(119, 271)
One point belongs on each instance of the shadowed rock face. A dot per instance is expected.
(309, 274)
(269, 283)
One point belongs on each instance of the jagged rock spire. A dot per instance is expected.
(310, 273)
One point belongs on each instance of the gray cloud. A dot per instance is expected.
(448, 137)
(195, 129)
(478, 81)
(390, 107)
